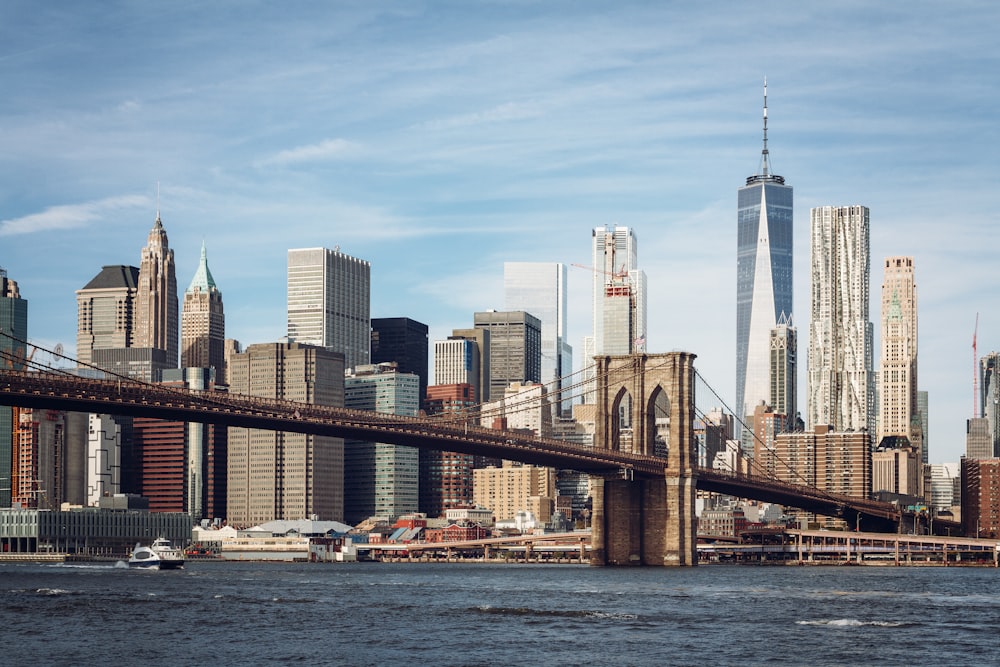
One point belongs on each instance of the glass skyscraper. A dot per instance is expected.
(13, 323)
(539, 288)
(763, 277)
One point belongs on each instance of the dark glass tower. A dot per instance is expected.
(763, 276)
(13, 352)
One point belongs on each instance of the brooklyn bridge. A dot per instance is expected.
(643, 504)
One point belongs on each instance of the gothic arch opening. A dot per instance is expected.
(621, 427)
(657, 429)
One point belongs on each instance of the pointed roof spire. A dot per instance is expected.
(158, 223)
(202, 277)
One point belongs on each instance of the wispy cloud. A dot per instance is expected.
(502, 113)
(70, 216)
(324, 150)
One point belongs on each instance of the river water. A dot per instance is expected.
(474, 614)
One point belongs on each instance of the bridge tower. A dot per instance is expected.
(645, 521)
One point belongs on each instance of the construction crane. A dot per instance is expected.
(975, 372)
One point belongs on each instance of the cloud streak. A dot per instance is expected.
(70, 216)
(328, 149)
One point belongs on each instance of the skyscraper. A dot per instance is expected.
(381, 479)
(763, 276)
(461, 360)
(515, 347)
(841, 390)
(329, 302)
(539, 288)
(619, 287)
(403, 341)
(783, 372)
(13, 330)
(989, 406)
(106, 312)
(156, 296)
(275, 475)
(898, 411)
(203, 323)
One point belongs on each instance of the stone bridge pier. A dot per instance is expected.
(645, 521)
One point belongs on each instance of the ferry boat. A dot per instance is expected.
(160, 555)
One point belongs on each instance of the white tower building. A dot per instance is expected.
(841, 390)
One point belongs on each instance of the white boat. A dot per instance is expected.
(160, 555)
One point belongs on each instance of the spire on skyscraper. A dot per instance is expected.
(765, 163)
(202, 277)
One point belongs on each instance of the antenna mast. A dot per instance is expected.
(765, 162)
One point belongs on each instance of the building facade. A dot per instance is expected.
(329, 302)
(106, 312)
(515, 488)
(539, 288)
(989, 403)
(381, 479)
(403, 341)
(156, 324)
(978, 439)
(515, 347)
(838, 462)
(13, 352)
(898, 410)
(784, 371)
(981, 497)
(446, 477)
(203, 323)
(276, 475)
(763, 276)
(841, 387)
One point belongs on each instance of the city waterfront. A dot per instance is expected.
(476, 614)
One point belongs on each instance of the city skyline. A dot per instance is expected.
(437, 150)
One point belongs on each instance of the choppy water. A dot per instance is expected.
(451, 614)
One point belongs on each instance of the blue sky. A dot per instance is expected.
(438, 140)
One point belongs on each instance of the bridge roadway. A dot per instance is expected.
(59, 391)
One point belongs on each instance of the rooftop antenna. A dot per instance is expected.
(158, 183)
(765, 164)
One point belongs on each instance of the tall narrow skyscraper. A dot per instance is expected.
(619, 287)
(329, 302)
(898, 411)
(156, 296)
(13, 330)
(763, 277)
(841, 391)
(203, 323)
(514, 350)
(539, 288)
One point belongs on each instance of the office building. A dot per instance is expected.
(923, 407)
(837, 462)
(978, 439)
(515, 348)
(329, 302)
(156, 324)
(103, 472)
(106, 312)
(13, 353)
(381, 479)
(539, 288)
(945, 487)
(989, 406)
(515, 488)
(39, 452)
(203, 323)
(466, 362)
(446, 477)
(274, 475)
(403, 341)
(899, 414)
(763, 276)
(620, 285)
(981, 497)
(524, 407)
(841, 387)
(896, 467)
(784, 370)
